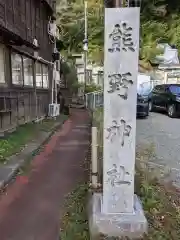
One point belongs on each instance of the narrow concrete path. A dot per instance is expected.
(31, 207)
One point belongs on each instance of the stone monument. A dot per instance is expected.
(118, 212)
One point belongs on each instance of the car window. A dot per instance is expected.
(167, 90)
(162, 89)
(174, 89)
(159, 89)
(156, 88)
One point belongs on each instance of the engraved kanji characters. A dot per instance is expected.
(121, 131)
(121, 38)
(113, 131)
(117, 176)
(126, 129)
(119, 82)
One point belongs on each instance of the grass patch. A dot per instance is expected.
(162, 213)
(75, 223)
(160, 202)
(17, 140)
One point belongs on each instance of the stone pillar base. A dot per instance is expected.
(115, 225)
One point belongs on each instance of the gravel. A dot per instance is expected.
(163, 133)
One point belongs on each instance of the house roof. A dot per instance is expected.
(167, 66)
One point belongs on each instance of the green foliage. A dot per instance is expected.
(159, 206)
(75, 223)
(70, 19)
(17, 140)
(70, 74)
(92, 88)
(160, 22)
(76, 86)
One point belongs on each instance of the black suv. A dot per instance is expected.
(166, 97)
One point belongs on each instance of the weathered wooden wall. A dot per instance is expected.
(19, 107)
(27, 19)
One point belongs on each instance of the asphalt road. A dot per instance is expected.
(163, 134)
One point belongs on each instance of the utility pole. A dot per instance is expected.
(117, 3)
(85, 42)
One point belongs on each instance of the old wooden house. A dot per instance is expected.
(25, 55)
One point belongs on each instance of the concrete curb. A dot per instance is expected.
(9, 171)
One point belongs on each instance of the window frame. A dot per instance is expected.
(47, 68)
(23, 73)
(4, 64)
(17, 84)
(26, 85)
(42, 75)
(34, 72)
(39, 87)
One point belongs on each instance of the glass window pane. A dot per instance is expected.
(2, 54)
(39, 75)
(45, 77)
(175, 89)
(28, 71)
(17, 71)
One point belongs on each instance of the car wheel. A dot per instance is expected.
(171, 110)
(150, 106)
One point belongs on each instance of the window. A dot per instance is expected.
(175, 89)
(2, 67)
(89, 76)
(45, 76)
(157, 89)
(100, 78)
(42, 78)
(80, 77)
(22, 70)
(39, 77)
(17, 69)
(28, 71)
(161, 89)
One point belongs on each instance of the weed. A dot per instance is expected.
(16, 141)
(75, 223)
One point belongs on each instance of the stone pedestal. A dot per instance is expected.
(117, 224)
